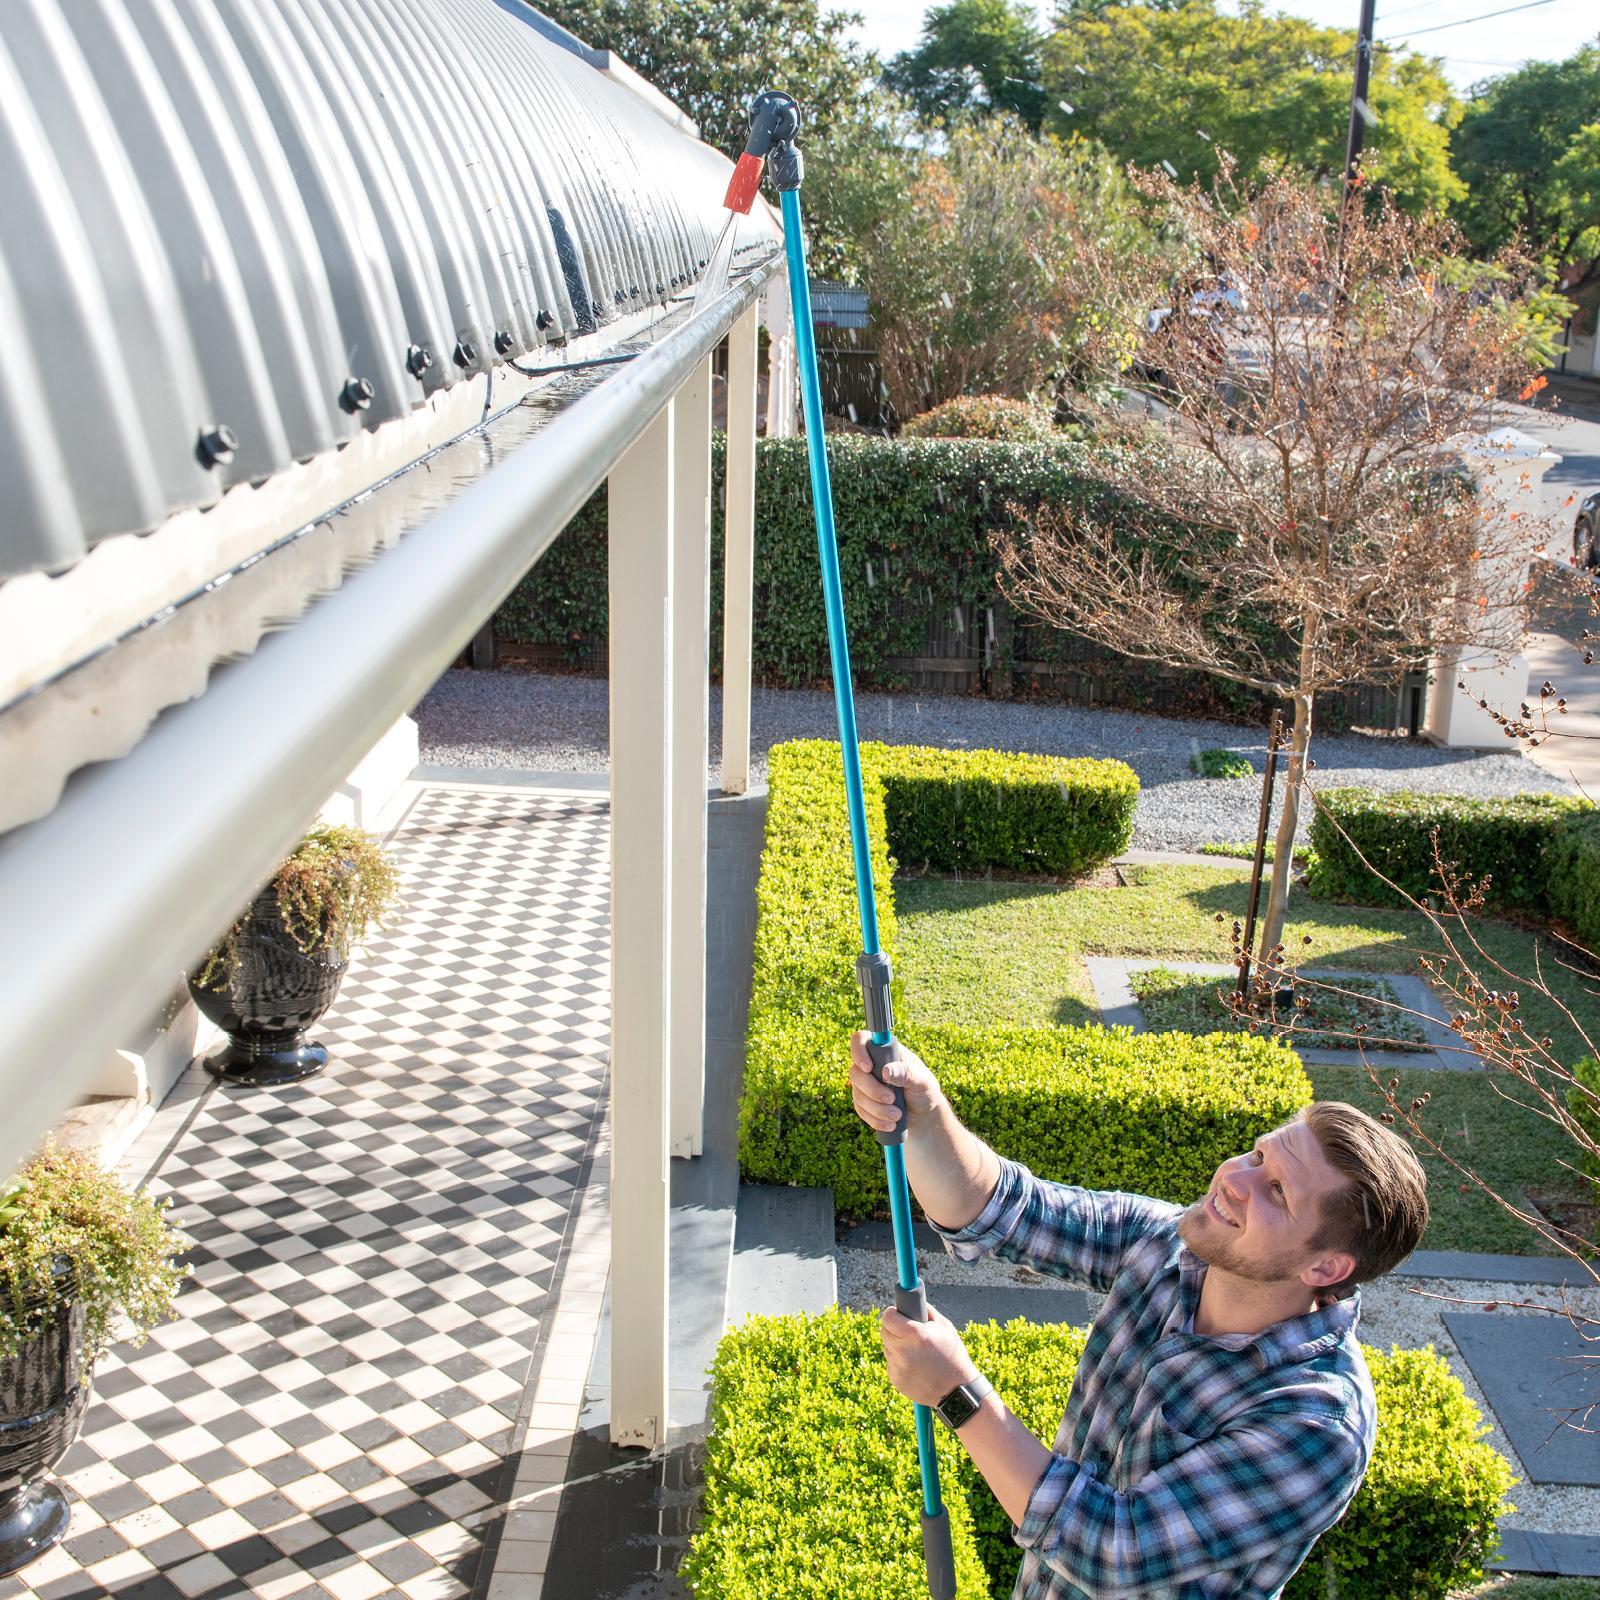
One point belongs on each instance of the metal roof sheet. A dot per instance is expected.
(234, 234)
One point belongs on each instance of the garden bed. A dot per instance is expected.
(1320, 1018)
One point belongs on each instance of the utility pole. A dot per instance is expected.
(1358, 97)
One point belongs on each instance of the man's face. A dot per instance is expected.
(1263, 1210)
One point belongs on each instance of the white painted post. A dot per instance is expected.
(691, 668)
(1510, 466)
(782, 370)
(640, 528)
(738, 554)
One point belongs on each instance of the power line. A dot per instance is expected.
(1505, 11)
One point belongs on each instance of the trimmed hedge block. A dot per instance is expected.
(1103, 1107)
(1108, 1108)
(964, 810)
(812, 1488)
(1504, 840)
(1572, 878)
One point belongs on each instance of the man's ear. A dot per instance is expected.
(1327, 1269)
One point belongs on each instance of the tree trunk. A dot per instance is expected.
(1283, 845)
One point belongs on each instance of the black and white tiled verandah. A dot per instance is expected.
(341, 1407)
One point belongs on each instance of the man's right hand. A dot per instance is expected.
(874, 1101)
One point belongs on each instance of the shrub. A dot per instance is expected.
(1104, 1107)
(1587, 1111)
(812, 1485)
(1572, 874)
(1222, 764)
(1503, 840)
(983, 416)
(62, 1207)
(964, 810)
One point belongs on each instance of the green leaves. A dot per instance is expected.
(1512, 842)
(64, 1207)
(811, 1485)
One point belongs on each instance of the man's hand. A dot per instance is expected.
(926, 1359)
(874, 1101)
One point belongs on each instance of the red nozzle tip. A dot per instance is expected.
(744, 184)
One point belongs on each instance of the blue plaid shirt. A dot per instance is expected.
(1186, 1467)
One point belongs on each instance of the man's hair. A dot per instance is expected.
(1380, 1214)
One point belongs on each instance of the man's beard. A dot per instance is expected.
(1227, 1255)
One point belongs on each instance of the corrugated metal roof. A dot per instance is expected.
(234, 234)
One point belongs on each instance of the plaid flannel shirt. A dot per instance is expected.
(1186, 1467)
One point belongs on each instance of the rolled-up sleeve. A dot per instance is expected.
(1056, 1228)
(1269, 1488)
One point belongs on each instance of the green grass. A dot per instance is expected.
(1188, 1002)
(1240, 850)
(1526, 1588)
(989, 952)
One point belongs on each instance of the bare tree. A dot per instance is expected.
(1292, 522)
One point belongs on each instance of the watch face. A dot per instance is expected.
(958, 1407)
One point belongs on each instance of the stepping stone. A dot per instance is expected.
(982, 1303)
(1567, 1555)
(1518, 1362)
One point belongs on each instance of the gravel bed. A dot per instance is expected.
(557, 723)
(1394, 1311)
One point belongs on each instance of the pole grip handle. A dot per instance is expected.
(938, 1556)
(880, 1056)
(912, 1304)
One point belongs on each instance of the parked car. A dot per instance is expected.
(1584, 553)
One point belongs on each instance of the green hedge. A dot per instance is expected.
(1508, 841)
(1103, 1107)
(984, 416)
(1572, 874)
(812, 1490)
(1585, 1111)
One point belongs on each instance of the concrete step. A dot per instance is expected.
(782, 1252)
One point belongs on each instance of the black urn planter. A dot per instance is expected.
(44, 1392)
(275, 992)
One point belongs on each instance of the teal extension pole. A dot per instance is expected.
(774, 123)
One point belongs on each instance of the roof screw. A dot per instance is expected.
(466, 354)
(702, 263)
(543, 321)
(659, 289)
(216, 445)
(356, 395)
(633, 293)
(622, 295)
(503, 342)
(418, 360)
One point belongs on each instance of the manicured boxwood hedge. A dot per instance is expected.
(1572, 878)
(1104, 1107)
(1510, 841)
(812, 1488)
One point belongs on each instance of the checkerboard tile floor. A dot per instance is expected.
(329, 1414)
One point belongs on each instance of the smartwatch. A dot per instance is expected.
(961, 1404)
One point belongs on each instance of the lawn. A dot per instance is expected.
(976, 951)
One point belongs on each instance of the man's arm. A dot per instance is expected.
(983, 1204)
(951, 1170)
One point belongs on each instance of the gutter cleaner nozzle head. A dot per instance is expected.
(774, 121)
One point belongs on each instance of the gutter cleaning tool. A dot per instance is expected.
(774, 123)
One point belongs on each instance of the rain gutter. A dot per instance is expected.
(144, 860)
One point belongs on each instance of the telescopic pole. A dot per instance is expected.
(774, 123)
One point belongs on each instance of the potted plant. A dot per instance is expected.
(82, 1258)
(279, 966)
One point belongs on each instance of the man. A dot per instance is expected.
(1222, 1415)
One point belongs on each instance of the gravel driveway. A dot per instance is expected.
(558, 723)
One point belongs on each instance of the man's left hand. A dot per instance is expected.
(926, 1359)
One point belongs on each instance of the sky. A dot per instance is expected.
(1472, 51)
